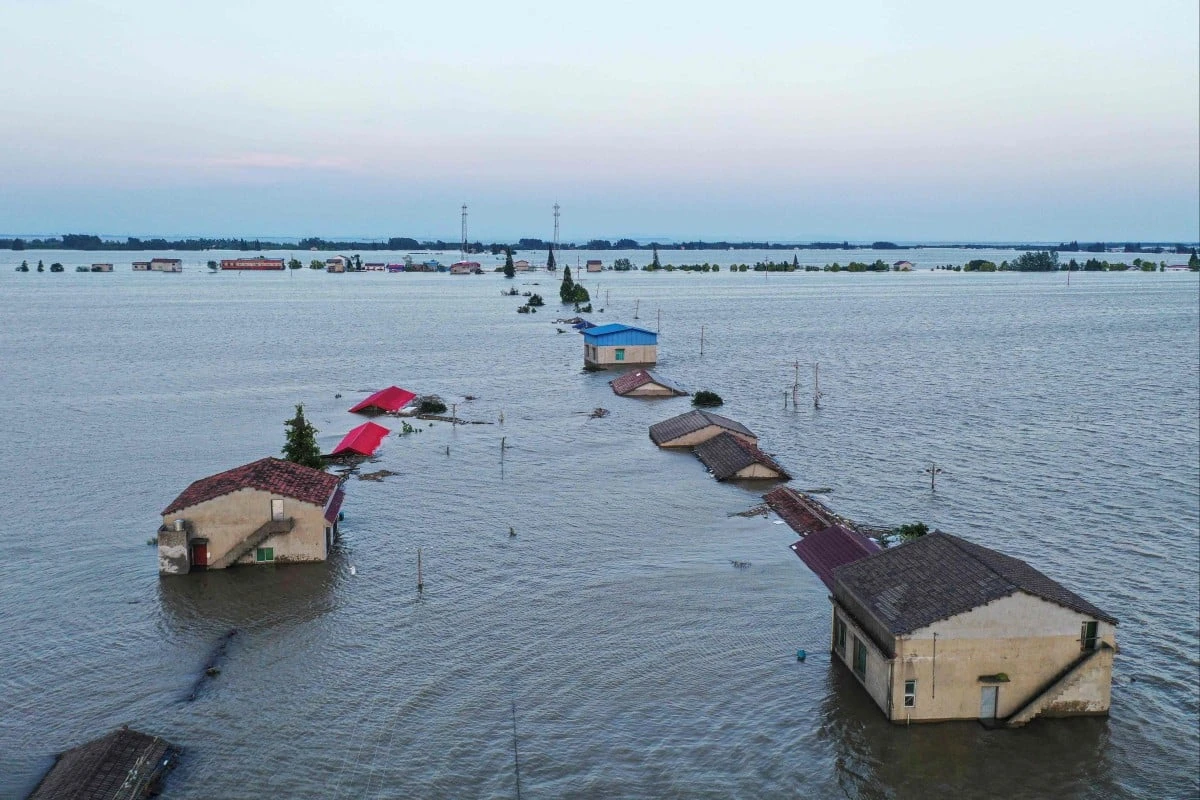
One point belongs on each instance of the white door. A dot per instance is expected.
(276, 508)
(987, 702)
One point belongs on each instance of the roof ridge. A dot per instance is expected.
(959, 542)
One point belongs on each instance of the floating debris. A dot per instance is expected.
(740, 564)
(125, 763)
(597, 413)
(761, 510)
(452, 420)
(212, 667)
(377, 476)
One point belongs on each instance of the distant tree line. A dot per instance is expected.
(84, 241)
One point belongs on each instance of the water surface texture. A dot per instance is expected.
(641, 663)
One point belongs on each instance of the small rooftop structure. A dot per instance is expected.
(829, 548)
(385, 401)
(695, 427)
(642, 383)
(124, 764)
(361, 441)
(903, 266)
(731, 457)
(273, 475)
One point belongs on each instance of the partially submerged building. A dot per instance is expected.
(141, 266)
(266, 511)
(696, 427)
(256, 263)
(335, 264)
(102, 268)
(731, 457)
(166, 265)
(361, 441)
(617, 344)
(825, 549)
(595, 265)
(643, 383)
(385, 401)
(465, 268)
(903, 266)
(944, 629)
(123, 765)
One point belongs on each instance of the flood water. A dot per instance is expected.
(640, 663)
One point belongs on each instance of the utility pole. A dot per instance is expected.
(420, 579)
(701, 340)
(464, 232)
(659, 328)
(816, 385)
(636, 305)
(933, 471)
(796, 388)
(555, 247)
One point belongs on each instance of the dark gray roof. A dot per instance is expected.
(726, 454)
(691, 422)
(940, 576)
(125, 763)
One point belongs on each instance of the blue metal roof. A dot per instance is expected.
(618, 333)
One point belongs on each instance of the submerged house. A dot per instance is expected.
(361, 441)
(825, 549)
(697, 427)
(595, 265)
(166, 265)
(903, 266)
(465, 268)
(642, 383)
(944, 629)
(336, 264)
(616, 344)
(731, 457)
(102, 268)
(141, 266)
(124, 764)
(266, 511)
(385, 401)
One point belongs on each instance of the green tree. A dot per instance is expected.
(213, 265)
(300, 444)
(566, 290)
(294, 263)
(316, 263)
(550, 265)
(1194, 260)
(509, 270)
(655, 264)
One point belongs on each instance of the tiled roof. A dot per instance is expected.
(638, 378)
(939, 576)
(804, 514)
(392, 398)
(118, 765)
(691, 422)
(829, 548)
(726, 454)
(272, 475)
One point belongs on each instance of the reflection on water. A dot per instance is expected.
(642, 664)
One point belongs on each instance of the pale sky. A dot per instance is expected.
(752, 120)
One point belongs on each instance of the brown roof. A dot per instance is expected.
(804, 514)
(939, 576)
(691, 422)
(726, 455)
(125, 763)
(638, 378)
(829, 548)
(267, 474)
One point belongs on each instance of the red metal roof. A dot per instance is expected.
(392, 398)
(335, 505)
(803, 513)
(829, 548)
(363, 440)
(268, 475)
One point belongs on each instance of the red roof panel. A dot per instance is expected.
(829, 548)
(390, 399)
(363, 440)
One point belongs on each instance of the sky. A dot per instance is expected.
(917, 121)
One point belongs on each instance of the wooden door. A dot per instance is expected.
(199, 554)
(987, 701)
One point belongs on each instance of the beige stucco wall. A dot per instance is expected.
(757, 471)
(879, 666)
(1029, 639)
(703, 435)
(650, 390)
(228, 520)
(607, 356)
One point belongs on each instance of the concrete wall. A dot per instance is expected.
(703, 435)
(174, 557)
(635, 355)
(879, 666)
(225, 521)
(1028, 639)
(757, 471)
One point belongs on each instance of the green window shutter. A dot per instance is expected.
(620, 354)
(265, 554)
